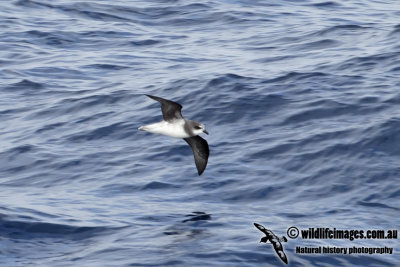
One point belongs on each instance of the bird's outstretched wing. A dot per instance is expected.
(200, 152)
(170, 109)
(261, 228)
(279, 251)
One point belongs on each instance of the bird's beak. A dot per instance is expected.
(205, 131)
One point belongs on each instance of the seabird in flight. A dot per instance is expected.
(175, 125)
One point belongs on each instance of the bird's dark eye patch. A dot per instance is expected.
(197, 127)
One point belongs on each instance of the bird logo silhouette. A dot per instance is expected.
(274, 240)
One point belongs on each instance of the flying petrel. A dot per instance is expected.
(175, 125)
(275, 241)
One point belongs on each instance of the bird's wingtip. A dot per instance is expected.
(200, 172)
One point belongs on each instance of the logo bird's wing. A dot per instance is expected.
(279, 251)
(261, 228)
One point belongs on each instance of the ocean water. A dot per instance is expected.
(301, 99)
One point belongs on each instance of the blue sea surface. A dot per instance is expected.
(301, 99)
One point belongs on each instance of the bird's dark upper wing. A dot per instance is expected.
(200, 152)
(170, 110)
(261, 228)
(279, 250)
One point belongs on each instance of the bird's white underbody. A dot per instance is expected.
(173, 129)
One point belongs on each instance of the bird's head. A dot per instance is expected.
(199, 128)
(264, 239)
